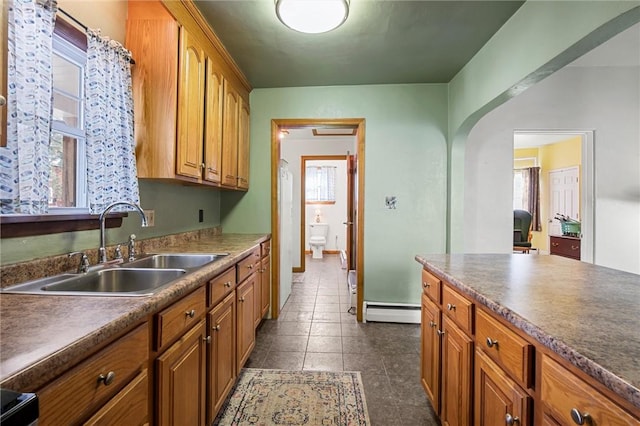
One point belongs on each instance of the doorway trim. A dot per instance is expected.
(276, 126)
(587, 185)
(303, 200)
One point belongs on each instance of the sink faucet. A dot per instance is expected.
(102, 251)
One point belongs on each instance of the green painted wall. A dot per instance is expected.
(405, 156)
(539, 39)
(176, 210)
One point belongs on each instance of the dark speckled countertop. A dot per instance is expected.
(40, 336)
(587, 314)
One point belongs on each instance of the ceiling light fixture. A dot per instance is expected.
(312, 16)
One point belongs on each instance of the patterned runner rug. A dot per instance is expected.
(281, 397)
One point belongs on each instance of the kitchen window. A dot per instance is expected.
(68, 176)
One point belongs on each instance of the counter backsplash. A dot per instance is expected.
(47, 266)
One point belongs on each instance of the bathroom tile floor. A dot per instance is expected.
(315, 331)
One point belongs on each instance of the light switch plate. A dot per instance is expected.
(151, 217)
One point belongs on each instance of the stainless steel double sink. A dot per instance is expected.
(141, 277)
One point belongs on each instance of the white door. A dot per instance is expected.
(564, 192)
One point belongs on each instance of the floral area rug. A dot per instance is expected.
(281, 397)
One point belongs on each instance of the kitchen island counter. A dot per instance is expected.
(588, 315)
(42, 335)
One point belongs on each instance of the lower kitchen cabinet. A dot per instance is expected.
(181, 380)
(430, 351)
(130, 406)
(246, 335)
(498, 399)
(93, 385)
(457, 375)
(265, 286)
(222, 354)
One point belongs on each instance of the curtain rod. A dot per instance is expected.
(85, 28)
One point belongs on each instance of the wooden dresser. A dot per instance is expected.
(565, 246)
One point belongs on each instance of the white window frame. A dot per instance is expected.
(78, 57)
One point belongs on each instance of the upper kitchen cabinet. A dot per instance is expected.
(190, 121)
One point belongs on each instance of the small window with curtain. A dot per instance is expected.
(320, 185)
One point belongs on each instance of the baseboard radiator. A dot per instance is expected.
(391, 312)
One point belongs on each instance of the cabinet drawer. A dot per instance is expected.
(459, 308)
(265, 248)
(130, 406)
(249, 264)
(179, 317)
(222, 285)
(432, 286)
(82, 389)
(562, 392)
(510, 351)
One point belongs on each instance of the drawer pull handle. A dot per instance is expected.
(426, 285)
(555, 244)
(207, 339)
(491, 343)
(451, 307)
(108, 379)
(579, 418)
(575, 247)
(440, 332)
(227, 284)
(432, 324)
(216, 327)
(191, 313)
(250, 266)
(510, 420)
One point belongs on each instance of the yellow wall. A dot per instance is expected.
(563, 154)
(110, 16)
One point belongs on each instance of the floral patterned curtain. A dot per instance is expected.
(111, 162)
(24, 162)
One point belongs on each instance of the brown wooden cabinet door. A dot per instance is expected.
(190, 107)
(130, 406)
(243, 145)
(222, 354)
(430, 351)
(497, 397)
(457, 375)
(213, 122)
(230, 136)
(245, 319)
(181, 380)
(265, 284)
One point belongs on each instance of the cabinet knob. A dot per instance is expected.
(191, 313)
(207, 339)
(3, 100)
(250, 266)
(241, 299)
(426, 285)
(491, 343)
(451, 307)
(215, 327)
(509, 420)
(227, 284)
(432, 324)
(108, 379)
(440, 333)
(580, 418)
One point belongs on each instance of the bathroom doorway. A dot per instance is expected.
(323, 200)
(323, 129)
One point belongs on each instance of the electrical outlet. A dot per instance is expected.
(151, 217)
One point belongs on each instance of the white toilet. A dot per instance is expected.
(318, 239)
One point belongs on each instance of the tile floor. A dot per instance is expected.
(315, 332)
